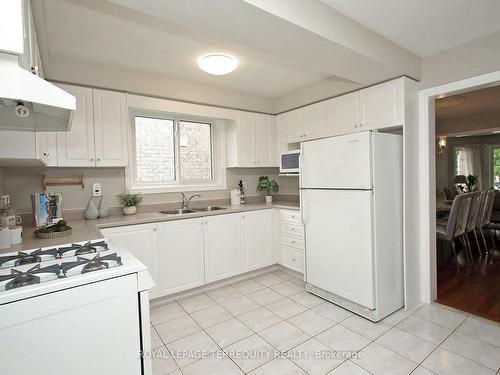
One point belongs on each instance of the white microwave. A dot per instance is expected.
(289, 162)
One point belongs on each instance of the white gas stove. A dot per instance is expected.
(86, 300)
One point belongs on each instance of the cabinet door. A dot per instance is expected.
(46, 148)
(222, 247)
(294, 131)
(246, 140)
(382, 106)
(110, 122)
(314, 121)
(342, 114)
(75, 148)
(256, 239)
(142, 242)
(281, 137)
(180, 256)
(11, 27)
(265, 141)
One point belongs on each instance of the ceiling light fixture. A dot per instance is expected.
(217, 63)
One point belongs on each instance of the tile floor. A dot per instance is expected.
(268, 324)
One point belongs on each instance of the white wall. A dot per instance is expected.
(21, 182)
(477, 57)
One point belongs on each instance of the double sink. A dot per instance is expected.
(181, 211)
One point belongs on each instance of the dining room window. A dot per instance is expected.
(495, 167)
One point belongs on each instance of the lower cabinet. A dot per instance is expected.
(222, 246)
(256, 243)
(187, 253)
(180, 255)
(142, 242)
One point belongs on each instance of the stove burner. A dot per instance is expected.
(22, 258)
(19, 279)
(90, 265)
(87, 248)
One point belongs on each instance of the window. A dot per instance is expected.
(495, 163)
(175, 153)
(460, 162)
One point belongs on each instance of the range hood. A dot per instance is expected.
(28, 102)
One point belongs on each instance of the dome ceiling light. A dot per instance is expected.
(217, 63)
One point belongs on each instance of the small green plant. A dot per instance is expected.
(270, 186)
(471, 183)
(129, 200)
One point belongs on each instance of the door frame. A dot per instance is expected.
(427, 168)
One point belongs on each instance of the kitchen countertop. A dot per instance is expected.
(84, 230)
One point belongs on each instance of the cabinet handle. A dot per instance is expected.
(292, 241)
(98, 159)
(91, 159)
(154, 229)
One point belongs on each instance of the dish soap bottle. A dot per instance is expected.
(242, 193)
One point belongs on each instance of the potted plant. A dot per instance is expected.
(129, 202)
(270, 186)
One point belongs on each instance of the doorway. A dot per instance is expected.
(428, 153)
(467, 167)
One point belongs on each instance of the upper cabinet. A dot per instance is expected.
(110, 128)
(251, 141)
(342, 114)
(376, 107)
(98, 135)
(75, 148)
(382, 106)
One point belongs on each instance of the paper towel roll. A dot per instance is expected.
(235, 197)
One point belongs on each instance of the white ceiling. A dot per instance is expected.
(424, 27)
(278, 56)
(81, 33)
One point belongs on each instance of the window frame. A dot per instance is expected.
(491, 172)
(218, 181)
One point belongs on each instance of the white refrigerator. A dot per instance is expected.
(351, 201)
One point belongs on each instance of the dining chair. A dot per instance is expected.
(456, 225)
(484, 223)
(476, 198)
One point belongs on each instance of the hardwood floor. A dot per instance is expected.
(474, 289)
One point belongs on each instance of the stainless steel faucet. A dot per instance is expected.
(185, 202)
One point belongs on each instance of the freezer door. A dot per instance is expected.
(338, 162)
(338, 238)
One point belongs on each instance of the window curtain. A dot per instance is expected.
(472, 158)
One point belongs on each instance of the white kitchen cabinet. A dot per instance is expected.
(265, 140)
(256, 239)
(251, 141)
(142, 242)
(382, 105)
(110, 128)
(98, 135)
(291, 240)
(314, 121)
(180, 255)
(75, 148)
(46, 148)
(17, 145)
(12, 26)
(293, 126)
(222, 246)
(342, 114)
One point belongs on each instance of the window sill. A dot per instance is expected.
(176, 188)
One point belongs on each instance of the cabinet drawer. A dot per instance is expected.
(291, 228)
(292, 259)
(295, 242)
(292, 216)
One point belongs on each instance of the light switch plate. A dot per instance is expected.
(96, 189)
